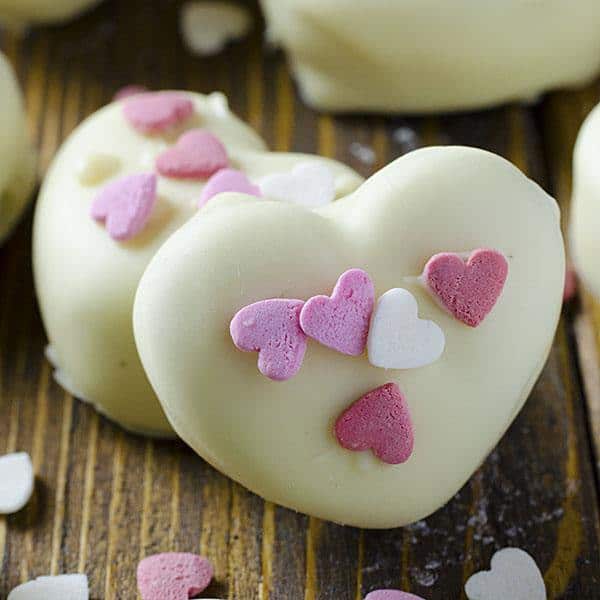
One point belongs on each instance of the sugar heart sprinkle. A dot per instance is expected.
(228, 180)
(398, 339)
(173, 576)
(468, 290)
(16, 482)
(155, 112)
(56, 587)
(309, 184)
(198, 154)
(125, 205)
(379, 421)
(391, 595)
(514, 575)
(341, 321)
(272, 328)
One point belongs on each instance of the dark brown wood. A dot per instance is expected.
(105, 498)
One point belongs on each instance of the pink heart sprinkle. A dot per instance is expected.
(391, 595)
(156, 111)
(469, 290)
(272, 328)
(379, 421)
(342, 321)
(228, 180)
(125, 205)
(198, 154)
(128, 91)
(173, 576)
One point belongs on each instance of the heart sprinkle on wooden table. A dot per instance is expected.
(16, 482)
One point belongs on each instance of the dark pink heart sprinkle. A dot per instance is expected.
(468, 290)
(173, 576)
(228, 180)
(342, 321)
(570, 290)
(379, 421)
(272, 328)
(125, 205)
(391, 595)
(198, 154)
(154, 112)
(128, 91)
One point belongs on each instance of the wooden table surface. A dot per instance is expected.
(105, 498)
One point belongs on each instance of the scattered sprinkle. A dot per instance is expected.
(16, 482)
(57, 587)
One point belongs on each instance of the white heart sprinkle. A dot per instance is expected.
(58, 587)
(514, 575)
(398, 339)
(96, 168)
(16, 482)
(206, 27)
(308, 184)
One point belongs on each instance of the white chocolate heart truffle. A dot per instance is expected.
(585, 207)
(86, 280)
(23, 12)
(277, 438)
(432, 55)
(17, 158)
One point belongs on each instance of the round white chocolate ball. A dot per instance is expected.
(585, 207)
(433, 55)
(17, 158)
(86, 281)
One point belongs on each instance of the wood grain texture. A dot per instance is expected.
(105, 498)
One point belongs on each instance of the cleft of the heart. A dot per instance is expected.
(280, 438)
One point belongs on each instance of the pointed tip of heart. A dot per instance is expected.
(467, 289)
(173, 576)
(379, 421)
(228, 180)
(125, 205)
(155, 112)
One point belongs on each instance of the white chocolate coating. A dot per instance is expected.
(22, 12)
(17, 158)
(585, 207)
(86, 281)
(432, 55)
(276, 438)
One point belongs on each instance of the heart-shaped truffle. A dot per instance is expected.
(278, 439)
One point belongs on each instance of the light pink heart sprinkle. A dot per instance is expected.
(272, 328)
(379, 421)
(198, 154)
(468, 290)
(342, 321)
(128, 91)
(228, 180)
(154, 112)
(173, 576)
(391, 595)
(125, 205)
